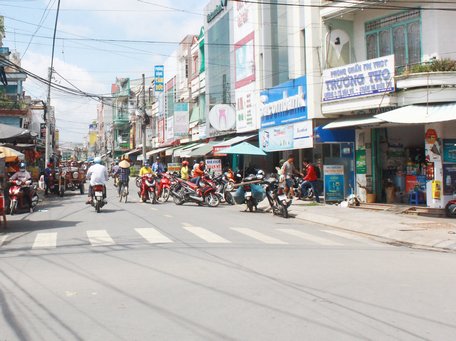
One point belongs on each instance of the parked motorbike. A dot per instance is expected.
(204, 193)
(17, 196)
(277, 199)
(97, 197)
(450, 209)
(224, 187)
(163, 184)
(148, 183)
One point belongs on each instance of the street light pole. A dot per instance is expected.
(48, 102)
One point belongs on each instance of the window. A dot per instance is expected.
(397, 34)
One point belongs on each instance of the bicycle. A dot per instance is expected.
(123, 192)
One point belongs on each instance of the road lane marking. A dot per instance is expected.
(167, 215)
(152, 235)
(3, 239)
(351, 236)
(309, 237)
(99, 238)
(258, 235)
(204, 234)
(45, 240)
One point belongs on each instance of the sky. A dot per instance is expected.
(96, 41)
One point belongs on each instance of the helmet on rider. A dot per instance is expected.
(22, 166)
(97, 160)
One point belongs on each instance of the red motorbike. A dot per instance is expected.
(148, 188)
(163, 185)
(203, 193)
(17, 192)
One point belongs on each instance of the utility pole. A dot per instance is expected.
(144, 117)
(48, 102)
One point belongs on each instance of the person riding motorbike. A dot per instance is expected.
(98, 175)
(198, 172)
(184, 170)
(144, 171)
(310, 179)
(23, 176)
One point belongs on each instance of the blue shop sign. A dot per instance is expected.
(284, 103)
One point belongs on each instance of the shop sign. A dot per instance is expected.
(174, 167)
(222, 117)
(449, 150)
(361, 166)
(374, 76)
(159, 75)
(181, 118)
(218, 9)
(287, 137)
(169, 128)
(215, 166)
(284, 104)
(449, 179)
(334, 182)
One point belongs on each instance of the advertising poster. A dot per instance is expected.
(181, 119)
(334, 182)
(449, 179)
(174, 167)
(215, 166)
(374, 76)
(361, 166)
(449, 150)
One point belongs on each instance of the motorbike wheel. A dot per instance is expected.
(212, 200)
(13, 207)
(229, 198)
(250, 205)
(450, 210)
(179, 198)
(81, 188)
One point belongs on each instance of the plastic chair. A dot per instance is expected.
(414, 198)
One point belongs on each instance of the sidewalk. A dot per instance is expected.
(413, 231)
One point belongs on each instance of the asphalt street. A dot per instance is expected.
(138, 271)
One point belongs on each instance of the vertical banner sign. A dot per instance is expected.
(214, 165)
(159, 75)
(334, 182)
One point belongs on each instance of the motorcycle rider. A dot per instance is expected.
(98, 175)
(145, 169)
(184, 170)
(310, 179)
(157, 166)
(23, 176)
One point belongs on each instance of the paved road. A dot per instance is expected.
(143, 272)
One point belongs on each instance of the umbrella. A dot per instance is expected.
(243, 148)
(10, 154)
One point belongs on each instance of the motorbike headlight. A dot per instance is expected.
(75, 175)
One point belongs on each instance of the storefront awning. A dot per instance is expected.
(203, 150)
(186, 152)
(354, 122)
(420, 113)
(228, 143)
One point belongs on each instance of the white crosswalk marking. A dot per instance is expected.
(309, 237)
(204, 234)
(45, 240)
(351, 236)
(99, 238)
(258, 235)
(3, 239)
(152, 235)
